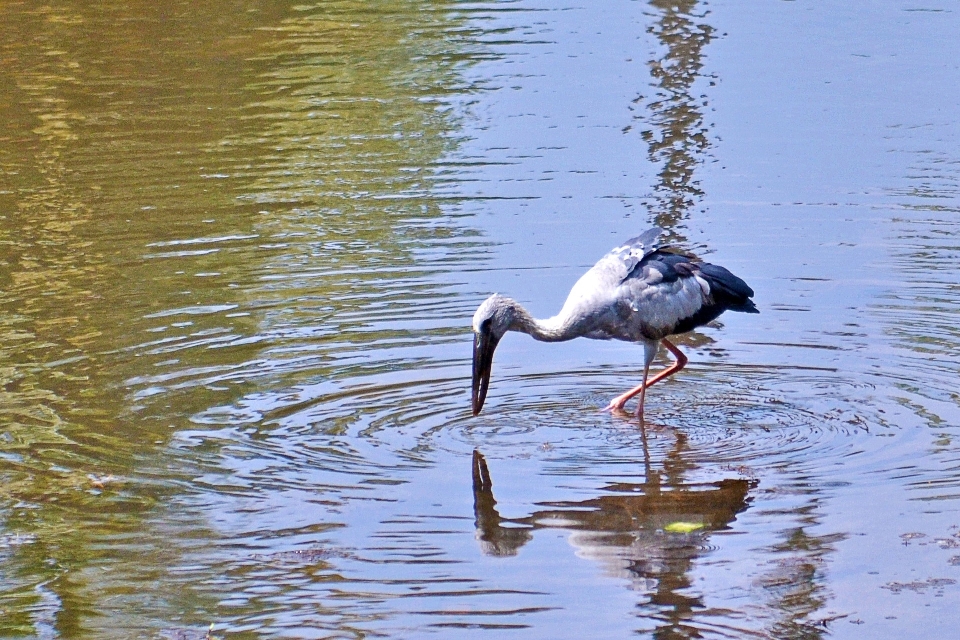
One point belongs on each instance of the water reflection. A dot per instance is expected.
(650, 532)
(230, 213)
(671, 121)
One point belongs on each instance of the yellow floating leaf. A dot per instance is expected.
(683, 527)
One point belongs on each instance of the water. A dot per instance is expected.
(241, 245)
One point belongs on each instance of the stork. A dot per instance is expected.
(639, 292)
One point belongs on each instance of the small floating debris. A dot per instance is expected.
(919, 586)
(683, 527)
(907, 537)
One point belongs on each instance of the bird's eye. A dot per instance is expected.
(485, 325)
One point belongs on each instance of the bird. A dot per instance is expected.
(638, 292)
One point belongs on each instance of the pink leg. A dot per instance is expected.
(617, 403)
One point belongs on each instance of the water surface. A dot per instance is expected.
(239, 252)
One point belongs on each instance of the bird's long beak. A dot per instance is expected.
(483, 347)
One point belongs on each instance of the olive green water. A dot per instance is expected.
(241, 244)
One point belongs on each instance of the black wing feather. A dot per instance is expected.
(721, 278)
(671, 265)
(728, 290)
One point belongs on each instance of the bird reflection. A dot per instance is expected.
(497, 537)
(648, 532)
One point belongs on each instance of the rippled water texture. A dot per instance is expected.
(241, 244)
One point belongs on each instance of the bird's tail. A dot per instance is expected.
(728, 290)
(746, 307)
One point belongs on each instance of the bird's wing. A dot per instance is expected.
(668, 293)
(663, 292)
(628, 255)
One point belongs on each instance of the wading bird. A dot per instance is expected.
(638, 293)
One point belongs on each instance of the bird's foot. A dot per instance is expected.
(616, 406)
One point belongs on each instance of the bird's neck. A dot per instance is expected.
(549, 330)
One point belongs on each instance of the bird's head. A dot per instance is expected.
(492, 319)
